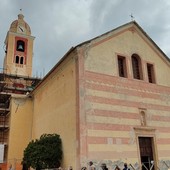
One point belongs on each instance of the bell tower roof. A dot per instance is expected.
(20, 26)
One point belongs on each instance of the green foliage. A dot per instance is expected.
(44, 153)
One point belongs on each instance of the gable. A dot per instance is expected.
(101, 53)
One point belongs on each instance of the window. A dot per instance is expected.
(150, 71)
(22, 60)
(136, 67)
(20, 46)
(122, 66)
(17, 59)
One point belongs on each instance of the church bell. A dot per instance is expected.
(20, 47)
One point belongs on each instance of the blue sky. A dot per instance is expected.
(60, 24)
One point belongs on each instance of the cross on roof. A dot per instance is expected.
(132, 17)
(20, 10)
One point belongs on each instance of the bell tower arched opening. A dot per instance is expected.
(20, 45)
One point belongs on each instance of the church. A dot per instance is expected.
(108, 98)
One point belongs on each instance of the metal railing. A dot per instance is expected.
(166, 164)
(143, 166)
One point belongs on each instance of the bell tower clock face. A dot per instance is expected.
(21, 29)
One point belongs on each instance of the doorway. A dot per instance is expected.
(146, 152)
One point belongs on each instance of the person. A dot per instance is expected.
(125, 167)
(70, 168)
(104, 167)
(10, 167)
(92, 167)
(117, 168)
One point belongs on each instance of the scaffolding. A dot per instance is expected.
(17, 84)
(11, 84)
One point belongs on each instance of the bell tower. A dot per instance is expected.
(19, 49)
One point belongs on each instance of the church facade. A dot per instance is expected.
(109, 100)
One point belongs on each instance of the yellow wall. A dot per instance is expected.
(20, 128)
(55, 108)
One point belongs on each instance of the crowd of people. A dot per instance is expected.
(90, 166)
(104, 167)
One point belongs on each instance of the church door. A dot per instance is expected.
(146, 153)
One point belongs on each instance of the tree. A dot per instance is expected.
(43, 153)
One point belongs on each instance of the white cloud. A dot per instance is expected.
(60, 24)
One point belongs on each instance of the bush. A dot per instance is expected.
(43, 153)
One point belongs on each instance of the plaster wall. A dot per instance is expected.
(103, 54)
(55, 108)
(20, 128)
(113, 105)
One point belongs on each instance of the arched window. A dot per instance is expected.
(20, 45)
(17, 59)
(136, 67)
(22, 60)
